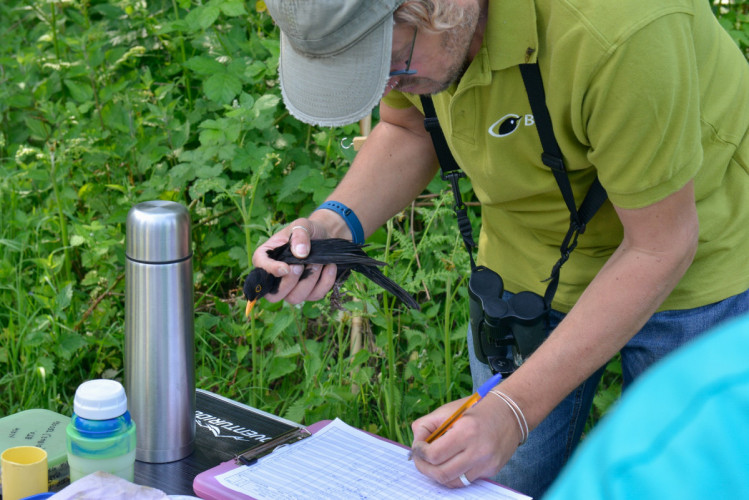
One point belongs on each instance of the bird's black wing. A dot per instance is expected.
(327, 251)
(340, 251)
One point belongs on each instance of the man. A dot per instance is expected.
(650, 97)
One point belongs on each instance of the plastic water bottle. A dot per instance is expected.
(101, 434)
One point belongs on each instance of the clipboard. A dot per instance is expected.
(207, 487)
(369, 475)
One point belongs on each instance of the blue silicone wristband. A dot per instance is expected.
(348, 215)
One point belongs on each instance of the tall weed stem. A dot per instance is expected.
(60, 214)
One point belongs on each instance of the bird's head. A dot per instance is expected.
(258, 284)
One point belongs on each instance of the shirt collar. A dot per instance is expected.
(511, 36)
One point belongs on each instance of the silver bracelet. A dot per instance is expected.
(514, 412)
(518, 414)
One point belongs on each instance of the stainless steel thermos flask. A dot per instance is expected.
(159, 330)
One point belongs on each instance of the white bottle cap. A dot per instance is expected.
(100, 399)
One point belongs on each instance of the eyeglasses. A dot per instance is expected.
(408, 70)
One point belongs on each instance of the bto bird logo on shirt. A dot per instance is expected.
(509, 124)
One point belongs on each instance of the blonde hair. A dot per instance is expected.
(430, 15)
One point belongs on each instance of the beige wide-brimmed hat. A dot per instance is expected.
(335, 56)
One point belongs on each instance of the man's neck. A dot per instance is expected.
(478, 36)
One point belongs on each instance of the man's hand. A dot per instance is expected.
(321, 279)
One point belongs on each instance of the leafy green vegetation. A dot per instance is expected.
(104, 104)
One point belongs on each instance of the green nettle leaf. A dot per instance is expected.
(79, 91)
(222, 87)
(70, 343)
(233, 8)
(211, 136)
(278, 367)
(266, 102)
(221, 131)
(179, 135)
(36, 127)
(77, 240)
(109, 11)
(202, 17)
(242, 351)
(203, 186)
(282, 322)
(293, 182)
(62, 301)
(19, 100)
(290, 351)
(296, 410)
(46, 364)
(314, 182)
(203, 65)
(180, 175)
(264, 111)
(255, 68)
(238, 254)
(115, 116)
(208, 172)
(360, 357)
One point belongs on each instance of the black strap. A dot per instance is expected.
(551, 157)
(450, 171)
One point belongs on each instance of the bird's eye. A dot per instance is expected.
(258, 288)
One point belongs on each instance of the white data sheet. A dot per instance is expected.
(342, 462)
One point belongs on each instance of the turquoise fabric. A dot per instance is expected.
(681, 431)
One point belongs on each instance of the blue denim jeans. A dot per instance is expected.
(536, 464)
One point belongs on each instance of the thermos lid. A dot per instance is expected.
(158, 231)
(100, 399)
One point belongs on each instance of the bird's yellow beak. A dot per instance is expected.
(248, 309)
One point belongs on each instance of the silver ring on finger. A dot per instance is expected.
(464, 480)
(301, 227)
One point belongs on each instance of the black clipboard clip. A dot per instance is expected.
(252, 455)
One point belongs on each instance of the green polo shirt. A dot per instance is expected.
(646, 95)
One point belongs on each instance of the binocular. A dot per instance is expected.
(505, 332)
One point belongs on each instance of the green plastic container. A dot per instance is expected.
(101, 434)
(42, 428)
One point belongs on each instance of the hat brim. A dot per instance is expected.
(340, 89)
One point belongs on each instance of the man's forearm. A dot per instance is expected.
(618, 302)
(600, 324)
(393, 167)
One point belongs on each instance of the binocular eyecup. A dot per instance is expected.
(505, 332)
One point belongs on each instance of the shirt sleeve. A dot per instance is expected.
(642, 114)
(399, 100)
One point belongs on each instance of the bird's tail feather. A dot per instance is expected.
(389, 285)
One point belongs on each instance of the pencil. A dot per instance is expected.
(475, 397)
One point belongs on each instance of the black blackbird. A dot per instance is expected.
(347, 256)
